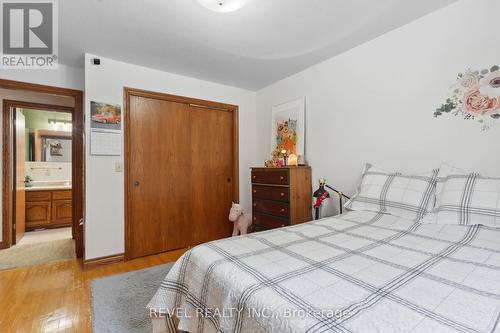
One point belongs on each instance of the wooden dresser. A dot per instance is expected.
(281, 197)
(48, 209)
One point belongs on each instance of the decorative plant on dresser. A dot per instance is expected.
(281, 196)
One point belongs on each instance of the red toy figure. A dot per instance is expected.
(320, 199)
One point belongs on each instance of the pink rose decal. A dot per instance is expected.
(475, 96)
(476, 103)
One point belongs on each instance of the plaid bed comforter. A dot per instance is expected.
(360, 272)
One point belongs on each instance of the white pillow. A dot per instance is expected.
(444, 171)
(465, 198)
(408, 196)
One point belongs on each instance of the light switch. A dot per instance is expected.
(118, 166)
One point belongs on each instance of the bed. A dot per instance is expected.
(359, 272)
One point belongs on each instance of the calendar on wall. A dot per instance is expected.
(105, 129)
(105, 143)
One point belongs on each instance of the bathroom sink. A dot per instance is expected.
(50, 184)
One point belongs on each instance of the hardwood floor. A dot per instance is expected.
(55, 297)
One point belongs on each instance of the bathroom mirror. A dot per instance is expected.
(49, 146)
(48, 136)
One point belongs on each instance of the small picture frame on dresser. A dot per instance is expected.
(281, 196)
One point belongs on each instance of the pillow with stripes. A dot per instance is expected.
(407, 196)
(466, 198)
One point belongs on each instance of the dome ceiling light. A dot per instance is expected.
(222, 6)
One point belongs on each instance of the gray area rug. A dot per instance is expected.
(119, 301)
(36, 254)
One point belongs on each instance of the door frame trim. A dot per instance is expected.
(127, 93)
(10, 160)
(78, 155)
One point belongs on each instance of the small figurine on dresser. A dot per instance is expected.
(242, 221)
(284, 158)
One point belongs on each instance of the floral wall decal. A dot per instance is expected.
(476, 96)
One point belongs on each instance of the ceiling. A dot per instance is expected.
(263, 42)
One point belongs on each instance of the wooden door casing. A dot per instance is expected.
(181, 171)
(78, 156)
(20, 221)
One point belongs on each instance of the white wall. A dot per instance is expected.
(64, 76)
(375, 102)
(104, 228)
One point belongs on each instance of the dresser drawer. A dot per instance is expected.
(270, 192)
(32, 196)
(257, 228)
(278, 177)
(268, 221)
(275, 208)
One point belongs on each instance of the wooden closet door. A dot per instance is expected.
(212, 170)
(180, 172)
(160, 187)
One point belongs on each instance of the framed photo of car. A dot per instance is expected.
(105, 116)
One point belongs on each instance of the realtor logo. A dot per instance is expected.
(29, 34)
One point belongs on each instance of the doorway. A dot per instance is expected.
(181, 171)
(42, 197)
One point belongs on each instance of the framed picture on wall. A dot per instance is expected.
(288, 127)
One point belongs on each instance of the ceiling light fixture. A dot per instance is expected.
(222, 6)
(57, 124)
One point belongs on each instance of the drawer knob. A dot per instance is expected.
(281, 178)
(254, 191)
(282, 194)
(282, 225)
(282, 210)
(253, 177)
(255, 205)
(255, 219)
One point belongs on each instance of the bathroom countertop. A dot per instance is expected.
(48, 188)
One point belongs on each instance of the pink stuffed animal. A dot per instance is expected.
(241, 220)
